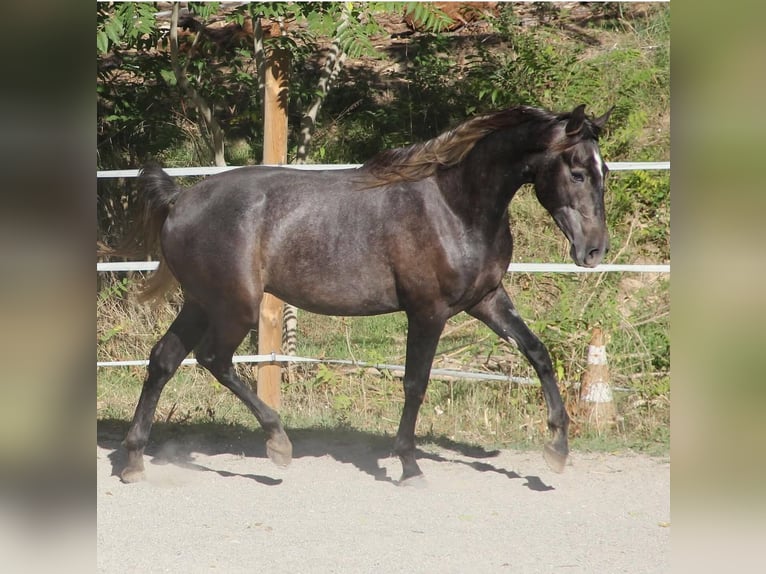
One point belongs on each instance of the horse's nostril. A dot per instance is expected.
(594, 255)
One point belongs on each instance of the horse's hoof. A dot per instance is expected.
(556, 461)
(131, 475)
(417, 481)
(280, 450)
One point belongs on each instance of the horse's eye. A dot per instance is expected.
(578, 176)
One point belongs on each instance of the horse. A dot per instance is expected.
(422, 230)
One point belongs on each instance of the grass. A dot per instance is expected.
(491, 414)
(480, 412)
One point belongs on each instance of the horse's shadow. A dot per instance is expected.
(174, 443)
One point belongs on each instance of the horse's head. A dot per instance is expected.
(569, 183)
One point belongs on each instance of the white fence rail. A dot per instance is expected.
(513, 267)
(282, 359)
(190, 171)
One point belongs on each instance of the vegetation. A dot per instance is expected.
(393, 91)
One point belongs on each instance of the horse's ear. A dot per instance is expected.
(600, 122)
(576, 120)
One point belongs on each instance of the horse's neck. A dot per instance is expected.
(482, 186)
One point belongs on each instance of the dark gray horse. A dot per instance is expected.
(422, 229)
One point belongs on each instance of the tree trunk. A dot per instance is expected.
(215, 140)
(333, 64)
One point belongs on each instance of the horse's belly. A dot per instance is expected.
(339, 300)
(334, 288)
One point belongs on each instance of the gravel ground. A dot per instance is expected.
(219, 505)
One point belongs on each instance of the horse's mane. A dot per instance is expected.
(421, 160)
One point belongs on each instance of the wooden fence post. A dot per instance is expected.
(274, 152)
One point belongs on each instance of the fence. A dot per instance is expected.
(276, 358)
(192, 171)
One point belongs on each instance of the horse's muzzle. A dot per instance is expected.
(589, 255)
(588, 242)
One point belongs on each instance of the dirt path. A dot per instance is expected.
(219, 505)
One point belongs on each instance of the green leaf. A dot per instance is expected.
(559, 371)
(145, 22)
(429, 16)
(169, 77)
(114, 30)
(342, 402)
(102, 42)
(109, 334)
(204, 9)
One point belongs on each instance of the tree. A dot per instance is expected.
(204, 109)
(207, 80)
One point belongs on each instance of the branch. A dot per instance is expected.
(332, 66)
(259, 54)
(205, 111)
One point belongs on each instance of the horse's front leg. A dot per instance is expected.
(422, 337)
(497, 311)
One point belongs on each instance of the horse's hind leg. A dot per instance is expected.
(497, 312)
(182, 336)
(215, 354)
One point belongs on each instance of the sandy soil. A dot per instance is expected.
(217, 504)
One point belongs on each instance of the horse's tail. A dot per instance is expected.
(157, 193)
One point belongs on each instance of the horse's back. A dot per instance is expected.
(320, 241)
(305, 236)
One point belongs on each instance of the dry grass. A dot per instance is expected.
(489, 413)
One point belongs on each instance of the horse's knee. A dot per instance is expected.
(221, 370)
(163, 360)
(206, 357)
(538, 356)
(537, 351)
(205, 360)
(209, 356)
